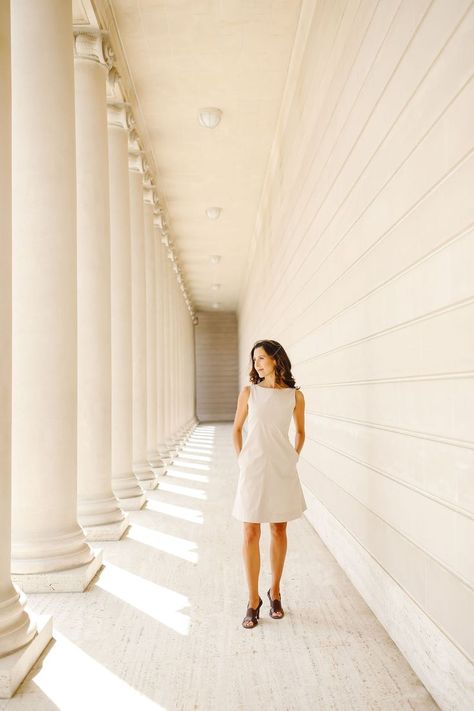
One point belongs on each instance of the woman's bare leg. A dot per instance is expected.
(278, 548)
(251, 555)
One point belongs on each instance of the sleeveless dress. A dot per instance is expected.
(268, 489)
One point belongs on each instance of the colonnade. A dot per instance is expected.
(97, 361)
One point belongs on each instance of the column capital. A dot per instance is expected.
(135, 161)
(149, 195)
(113, 85)
(160, 218)
(117, 114)
(93, 44)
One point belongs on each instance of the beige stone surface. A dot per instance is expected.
(160, 626)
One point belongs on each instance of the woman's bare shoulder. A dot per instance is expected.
(299, 395)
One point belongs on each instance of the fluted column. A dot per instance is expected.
(151, 372)
(18, 629)
(124, 481)
(141, 467)
(49, 549)
(98, 509)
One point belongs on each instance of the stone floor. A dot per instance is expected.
(160, 625)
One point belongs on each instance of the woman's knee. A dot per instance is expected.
(278, 529)
(251, 532)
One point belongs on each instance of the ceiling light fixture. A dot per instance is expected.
(213, 213)
(209, 117)
(215, 287)
(215, 258)
(215, 305)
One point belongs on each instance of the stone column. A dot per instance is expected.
(98, 509)
(49, 549)
(141, 467)
(150, 269)
(22, 636)
(160, 340)
(124, 481)
(167, 358)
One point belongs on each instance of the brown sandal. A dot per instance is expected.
(253, 613)
(275, 608)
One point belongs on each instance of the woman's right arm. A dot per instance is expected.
(240, 417)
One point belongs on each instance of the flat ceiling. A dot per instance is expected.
(187, 54)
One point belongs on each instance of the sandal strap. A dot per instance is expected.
(252, 614)
(276, 605)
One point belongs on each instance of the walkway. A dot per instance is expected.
(159, 628)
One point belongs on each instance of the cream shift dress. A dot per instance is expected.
(268, 489)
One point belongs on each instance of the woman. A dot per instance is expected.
(269, 490)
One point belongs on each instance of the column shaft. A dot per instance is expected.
(141, 467)
(49, 550)
(98, 509)
(17, 628)
(124, 481)
(150, 269)
(160, 257)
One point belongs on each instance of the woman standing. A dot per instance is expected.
(268, 490)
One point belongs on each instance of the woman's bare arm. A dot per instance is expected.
(298, 417)
(240, 417)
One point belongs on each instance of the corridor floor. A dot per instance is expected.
(160, 625)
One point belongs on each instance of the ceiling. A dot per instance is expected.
(183, 55)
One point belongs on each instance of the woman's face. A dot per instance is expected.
(264, 365)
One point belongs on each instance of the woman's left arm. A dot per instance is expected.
(298, 416)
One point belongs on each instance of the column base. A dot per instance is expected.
(160, 472)
(14, 667)
(134, 503)
(107, 531)
(149, 484)
(69, 580)
(154, 459)
(165, 456)
(144, 475)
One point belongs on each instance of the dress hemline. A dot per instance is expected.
(291, 517)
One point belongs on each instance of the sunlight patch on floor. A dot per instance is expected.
(179, 547)
(195, 457)
(183, 490)
(176, 474)
(160, 603)
(191, 465)
(74, 681)
(182, 512)
(199, 448)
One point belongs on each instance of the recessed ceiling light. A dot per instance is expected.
(210, 116)
(215, 287)
(213, 213)
(215, 258)
(215, 305)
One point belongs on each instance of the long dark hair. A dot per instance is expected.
(283, 375)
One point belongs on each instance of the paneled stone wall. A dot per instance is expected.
(361, 265)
